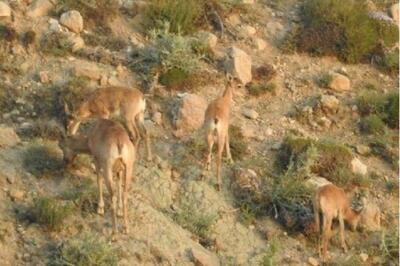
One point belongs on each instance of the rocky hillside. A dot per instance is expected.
(316, 101)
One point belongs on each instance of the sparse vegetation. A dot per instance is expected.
(385, 147)
(169, 54)
(98, 12)
(269, 258)
(182, 15)
(330, 27)
(325, 80)
(103, 36)
(263, 88)
(237, 143)
(197, 221)
(42, 159)
(56, 43)
(372, 124)
(390, 246)
(50, 212)
(86, 250)
(84, 196)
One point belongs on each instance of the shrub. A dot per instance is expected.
(325, 80)
(372, 124)
(103, 36)
(263, 88)
(57, 44)
(237, 142)
(84, 196)
(341, 28)
(385, 147)
(392, 110)
(390, 246)
(182, 15)
(371, 102)
(197, 221)
(269, 258)
(323, 158)
(86, 250)
(42, 159)
(50, 212)
(167, 52)
(174, 78)
(389, 62)
(99, 12)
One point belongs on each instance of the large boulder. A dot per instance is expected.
(5, 10)
(238, 63)
(190, 114)
(72, 20)
(40, 8)
(339, 83)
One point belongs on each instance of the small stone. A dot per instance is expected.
(364, 257)
(250, 113)
(207, 38)
(324, 122)
(175, 174)
(312, 261)
(260, 44)
(54, 25)
(329, 102)
(163, 165)
(43, 77)
(90, 71)
(358, 167)
(8, 137)
(363, 149)
(339, 83)
(157, 118)
(247, 31)
(16, 194)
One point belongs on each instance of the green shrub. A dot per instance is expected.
(182, 15)
(57, 44)
(372, 124)
(269, 258)
(263, 88)
(167, 52)
(42, 159)
(389, 62)
(392, 110)
(341, 28)
(389, 246)
(86, 250)
(197, 221)
(237, 142)
(84, 196)
(323, 158)
(325, 80)
(103, 36)
(371, 102)
(385, 146)
(50, 212)
(174, 78)
(98, 12)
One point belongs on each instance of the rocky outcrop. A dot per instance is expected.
(190, 114)
(238, 63)
(72, 20)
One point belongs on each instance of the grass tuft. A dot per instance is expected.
(372, 124)
(50, 212)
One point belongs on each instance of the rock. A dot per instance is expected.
(54, 25)
(190, 114)
(40, 8)
(207, 38)
(363, 149)
(8, 137)
(312, 261)
(43, 77)
(246, 180)
(364, 257)
(259, 44)
(238, 64)
(315, 182)
(370, 219)
(157, 118)
(358, 167)
(324, 122)
(250, 113)
(233, 20)
(76, 42)
(339, 83)
(248, 131)
(16, 194)
(90, 71)
(394, 12)
(5, 10)
(329, 103)
(72, 20)
(201, 258)
(247, 31)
